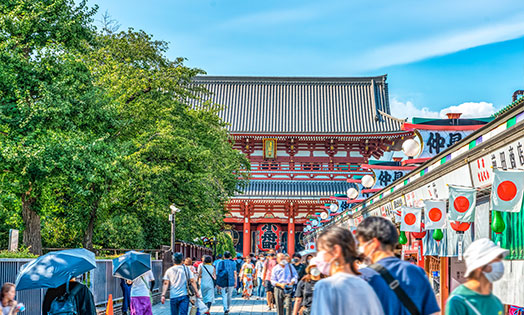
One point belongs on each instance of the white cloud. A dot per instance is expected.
(409, 110)
(441, 44)
(271, 18)
(470, 110)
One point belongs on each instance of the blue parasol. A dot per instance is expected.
(55, 268)
(131, 265)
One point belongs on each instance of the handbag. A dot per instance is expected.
(149, 289)
(190, 290)
(214, 280)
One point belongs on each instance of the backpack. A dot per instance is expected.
(65, 304)
(222, 276)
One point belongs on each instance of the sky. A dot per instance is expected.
(439, 56)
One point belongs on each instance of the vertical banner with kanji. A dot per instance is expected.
(268, 236)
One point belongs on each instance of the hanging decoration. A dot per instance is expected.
(438, 235)
(368, 181)
(420, 234)
(506, 192)
(435, 214)
(460, 227)
(497, 224)
(462, 203)
(268, 236)
(411, 219)
(402, 238)
(352, 193)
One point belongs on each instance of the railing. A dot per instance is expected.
(100, 280)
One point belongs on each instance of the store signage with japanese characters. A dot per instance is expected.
(436, 141)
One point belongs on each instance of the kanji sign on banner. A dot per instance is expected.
(411, 219)
(506, 192)
(435, 214)
(462, 202)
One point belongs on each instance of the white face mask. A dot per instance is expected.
(314, 272)
(496, 273)
(323, 266)
(283, 262)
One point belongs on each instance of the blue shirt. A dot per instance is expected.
(226, 266)
(413, 281)
(283, 274)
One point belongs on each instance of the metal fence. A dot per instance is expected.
(100, 280)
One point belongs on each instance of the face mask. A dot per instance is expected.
(283, 262)
(315, 272)
(295, 260)
(323, 266)
(496, 273)
(362, 247)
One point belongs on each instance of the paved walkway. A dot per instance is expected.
(240, 306)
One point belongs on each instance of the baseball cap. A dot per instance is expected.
(480, 253)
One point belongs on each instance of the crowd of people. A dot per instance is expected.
(350, 274)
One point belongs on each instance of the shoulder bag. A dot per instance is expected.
(190, 289)
(214, 280)
(395, 286)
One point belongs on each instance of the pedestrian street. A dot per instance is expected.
(240, 306)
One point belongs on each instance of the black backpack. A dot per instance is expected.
(65, 304)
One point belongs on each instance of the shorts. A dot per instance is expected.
(269, 286)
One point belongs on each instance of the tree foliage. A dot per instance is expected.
(101, 132)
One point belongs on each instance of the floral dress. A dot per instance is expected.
(247, 277)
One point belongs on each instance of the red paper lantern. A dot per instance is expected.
(419, 235)
(460, 226)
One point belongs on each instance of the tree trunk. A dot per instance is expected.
(32, 236)
(88, 236)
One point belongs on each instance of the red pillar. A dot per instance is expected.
(291, 236)
(246, 249)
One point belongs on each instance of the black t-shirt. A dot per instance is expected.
(84, 298)
(301, 270)
(305, 291)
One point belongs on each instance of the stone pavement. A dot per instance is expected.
(240, 306)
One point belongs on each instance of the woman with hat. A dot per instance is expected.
(304, 293)
(483, 267)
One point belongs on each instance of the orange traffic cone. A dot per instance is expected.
(109, 309)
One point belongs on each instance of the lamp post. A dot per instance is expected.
(172, 217)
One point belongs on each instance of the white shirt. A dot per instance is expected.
(343, 294)
(177, 280)
(141, 288)
(259, 267)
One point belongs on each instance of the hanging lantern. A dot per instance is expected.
(497, 225)
(333, 208)
(402, 238)
(438, 235)
(410, 147)
(324, 215)
(460, 227)
(352, 193)
(419, 235)
(368, 181)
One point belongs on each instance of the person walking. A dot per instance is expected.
(378, 237)
(304, 293)
(226, 278)
(269, 264)
(189, 264)
(141, 294)
(207, 277)
(85, 303)
(283, 278)
(239, 261)
(343, 292)
(8, 305)
(178, 278)
(300, 267)
(247, 273)
(215, 264)
(483, 267)
(125, 285)
(259, 266)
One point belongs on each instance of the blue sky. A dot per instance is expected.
(437, 54)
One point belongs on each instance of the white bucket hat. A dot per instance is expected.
(480, 253)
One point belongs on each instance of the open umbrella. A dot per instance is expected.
(131, 265)
(55, 268)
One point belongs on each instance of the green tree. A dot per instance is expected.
(181, 152)
(51, 116)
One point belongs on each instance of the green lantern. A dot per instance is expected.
(437, 235)
(497, 225)
(402, 239)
